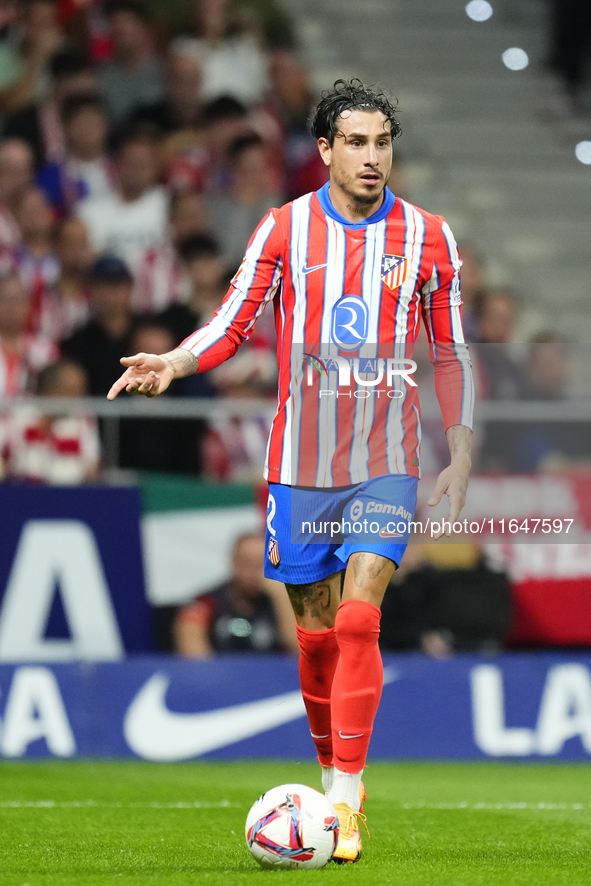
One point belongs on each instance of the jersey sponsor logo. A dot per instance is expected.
(314, 362)
(155, 733)
(307, 270)
(379, 507)
(356, 510)
(394, 270)
(350, 320)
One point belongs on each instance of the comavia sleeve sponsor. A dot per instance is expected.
(253, 286)
(448, 351)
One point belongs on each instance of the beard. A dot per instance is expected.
(347, 184)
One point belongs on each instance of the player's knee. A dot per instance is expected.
(357, 621)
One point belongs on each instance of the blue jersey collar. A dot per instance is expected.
(329, 209)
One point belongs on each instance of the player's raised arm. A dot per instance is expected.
(151, 374)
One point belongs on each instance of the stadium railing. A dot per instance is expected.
(111, 412)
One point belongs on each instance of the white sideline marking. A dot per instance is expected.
(226, 804)
(505, 805)
(98, 804)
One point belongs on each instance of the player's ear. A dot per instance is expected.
(325, 150)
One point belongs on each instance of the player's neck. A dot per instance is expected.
(350, 209)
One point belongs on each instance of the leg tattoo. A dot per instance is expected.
(368, 566)
(311, 599)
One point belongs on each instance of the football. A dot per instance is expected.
(292, 826)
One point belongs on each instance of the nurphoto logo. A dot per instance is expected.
(341, 369)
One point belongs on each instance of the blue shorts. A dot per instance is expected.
(311, 533)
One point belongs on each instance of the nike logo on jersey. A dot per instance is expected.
(155, 733)
(384, 534)
(307, 270)
(361, 734)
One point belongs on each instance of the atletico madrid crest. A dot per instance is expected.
(273, 552)
(394, 268)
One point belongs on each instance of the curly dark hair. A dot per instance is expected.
(349, 95)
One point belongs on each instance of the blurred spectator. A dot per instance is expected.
(570, 41)
(99, 345)
(236, 447)
(273, 21)
(16, 172)
(22, 354)
(202, 259)
(253, 191)
(161, 278)
(547, 367)
(290, 101)
(498, 316)
(85, 170)
(204, 164)
(200, 256)
(472, 282)
(59, 450)
(472, 610)
(445, 599)
(232, 60)
(546, 446)
(160, 444)
(132, 219)
(40, 124)
(65, 307)
(499, 376)
(248, 613)
(85, 24)
(35, 257)
(180, 107)
(408, 609)
(24, 59)
(133, 76)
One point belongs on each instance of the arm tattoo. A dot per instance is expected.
(313, 598)
(182, 362)
(459, 440)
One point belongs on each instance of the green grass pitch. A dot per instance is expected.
(441, 824)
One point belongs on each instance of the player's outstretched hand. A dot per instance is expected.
(146, 374)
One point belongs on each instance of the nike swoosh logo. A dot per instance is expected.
(361, 734)
(307, 270)
(384, 534)
(319, 736)
(155, 733)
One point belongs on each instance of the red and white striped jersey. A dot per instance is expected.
(347, 287)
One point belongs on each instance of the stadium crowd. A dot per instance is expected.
(139, 148)
(137, 156)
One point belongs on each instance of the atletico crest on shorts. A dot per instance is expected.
(394, 268)
(273, 552)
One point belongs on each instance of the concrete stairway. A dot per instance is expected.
(476, 145)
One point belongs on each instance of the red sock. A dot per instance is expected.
(357, 684)
(319, 654)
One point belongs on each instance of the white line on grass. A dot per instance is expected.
(99, 804)
(226, 804)
(502, 805)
